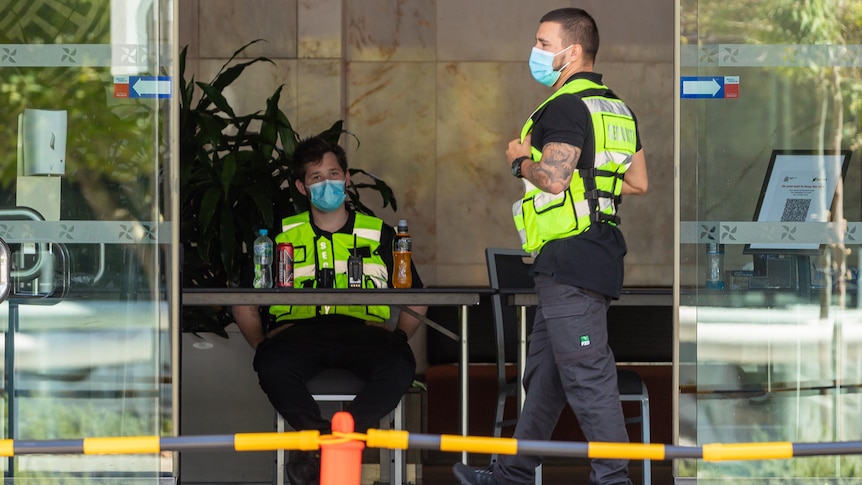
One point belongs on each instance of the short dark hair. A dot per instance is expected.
(311, 151)
(578, 28)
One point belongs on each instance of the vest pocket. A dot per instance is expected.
(548, 217)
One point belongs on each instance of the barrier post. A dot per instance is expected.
(341, 461)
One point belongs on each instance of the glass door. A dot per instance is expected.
(770, 325)
(86, 215)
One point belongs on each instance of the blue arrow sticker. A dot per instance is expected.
(149, 86)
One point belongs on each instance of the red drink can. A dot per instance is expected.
(284, 272)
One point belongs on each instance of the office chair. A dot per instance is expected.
(341, 385)
(507, 269)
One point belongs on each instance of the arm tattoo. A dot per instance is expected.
(556, 167)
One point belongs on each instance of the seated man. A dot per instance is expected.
(302, 341)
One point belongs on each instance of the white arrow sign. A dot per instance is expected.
(150, 87)
(700, 87)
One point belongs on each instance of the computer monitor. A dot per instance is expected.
(799, 186)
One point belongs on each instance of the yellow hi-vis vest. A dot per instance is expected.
(312, 253)
(594, 191)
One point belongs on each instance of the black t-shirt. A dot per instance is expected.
(593, 259)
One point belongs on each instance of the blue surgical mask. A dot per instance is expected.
(327, 195)
(542, 66)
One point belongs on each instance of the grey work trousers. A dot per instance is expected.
(569, 361)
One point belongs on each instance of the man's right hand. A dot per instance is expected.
(517, 149)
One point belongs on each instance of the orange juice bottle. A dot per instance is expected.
(402, 249)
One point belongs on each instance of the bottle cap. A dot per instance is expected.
(263, 232)
(402, 225)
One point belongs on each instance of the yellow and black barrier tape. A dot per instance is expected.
(396, 439)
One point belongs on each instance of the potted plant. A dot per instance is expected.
(234, 179)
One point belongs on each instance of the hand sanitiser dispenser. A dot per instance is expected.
(41, 160)
(42, 142)
(41, 165)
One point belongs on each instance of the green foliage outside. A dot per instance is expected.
(50, 419)
(792, 22)
(110, 173)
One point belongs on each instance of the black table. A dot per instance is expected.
(400, 298)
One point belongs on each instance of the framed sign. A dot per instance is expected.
(799, 187)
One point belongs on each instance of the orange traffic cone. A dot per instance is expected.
(341, 462)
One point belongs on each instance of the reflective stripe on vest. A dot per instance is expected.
(312, 253)
(593, 194)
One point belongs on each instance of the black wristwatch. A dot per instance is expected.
(516, 166)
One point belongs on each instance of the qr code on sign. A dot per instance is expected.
(795, 210)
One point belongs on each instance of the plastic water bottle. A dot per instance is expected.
(262, 260)
(715, 266)
(402, 276)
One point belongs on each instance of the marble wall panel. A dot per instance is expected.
(318, 94)
(489, 30)
(319, 27)
(481, 107)
(383, 30)
(647, 221)
(633, 30)
(391, 111)
(188, 27)
(226, 25)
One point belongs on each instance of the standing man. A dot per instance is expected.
(577, 154)
(300, 341)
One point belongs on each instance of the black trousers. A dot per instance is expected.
(285, 362)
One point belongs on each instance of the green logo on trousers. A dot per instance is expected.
(585, 340)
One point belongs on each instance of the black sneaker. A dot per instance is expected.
(468, 475)
(305, 469)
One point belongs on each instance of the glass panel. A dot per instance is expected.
(86, 327)
(771, 342)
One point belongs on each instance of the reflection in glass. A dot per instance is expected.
(86, 346)
(768, 358)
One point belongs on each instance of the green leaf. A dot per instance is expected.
(386, 193)
(227, 239)
(185, 93)
(211, 129)
(209, 205)
(214, 94)
(269, 124)
(227, 174)
(225, 76)
(289, 138)
(333, 133)
(263, 202)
